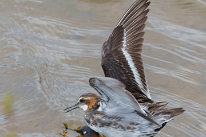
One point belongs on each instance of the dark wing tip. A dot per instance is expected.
(134, 8)
(92, 82)
(176, 111)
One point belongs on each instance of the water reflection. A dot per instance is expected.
(192, 6)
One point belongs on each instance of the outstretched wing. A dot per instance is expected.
(116, 100)
(121, 53)
(113, 92)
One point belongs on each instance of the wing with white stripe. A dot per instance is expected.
(121, 53)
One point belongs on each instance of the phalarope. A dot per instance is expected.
(115, 111)
(124, 107)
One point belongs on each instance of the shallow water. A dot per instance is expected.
(49, 49)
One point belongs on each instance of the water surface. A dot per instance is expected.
(49, 49)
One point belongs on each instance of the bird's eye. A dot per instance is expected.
(81, 100)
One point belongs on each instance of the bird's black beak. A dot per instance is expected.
(76, 130)
(71, 108)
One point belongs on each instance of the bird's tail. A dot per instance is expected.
(162, 114)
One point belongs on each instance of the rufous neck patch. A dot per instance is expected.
(92, 102)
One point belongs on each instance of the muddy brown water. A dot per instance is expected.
(50, 48)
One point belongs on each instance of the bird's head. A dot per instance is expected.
(88, 101)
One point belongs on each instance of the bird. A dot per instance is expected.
(85, 131)
(123, 106)
(116, 112)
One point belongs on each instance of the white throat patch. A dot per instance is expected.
(84, 107)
